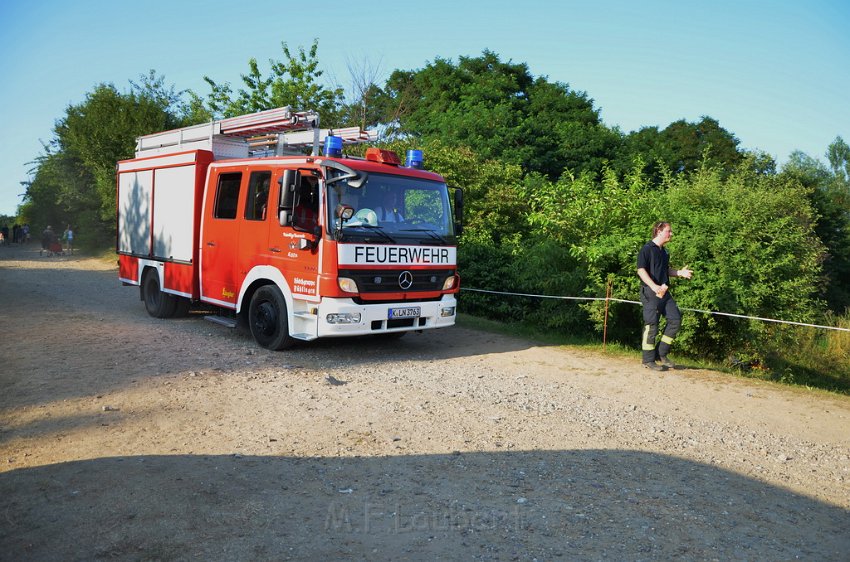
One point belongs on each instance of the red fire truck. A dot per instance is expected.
(235, 213)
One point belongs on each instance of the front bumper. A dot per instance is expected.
(374, 318)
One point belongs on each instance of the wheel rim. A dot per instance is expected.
(265, 320)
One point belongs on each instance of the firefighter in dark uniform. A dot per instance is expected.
(653, 268)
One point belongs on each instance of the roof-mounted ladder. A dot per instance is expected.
(270, 132)
(295, 142)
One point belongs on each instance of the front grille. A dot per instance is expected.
(399, 323)
(387, 280)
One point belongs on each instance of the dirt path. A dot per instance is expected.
(125, 437)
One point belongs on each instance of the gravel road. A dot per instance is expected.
(123, 437)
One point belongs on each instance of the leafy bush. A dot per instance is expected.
(749, 239)
(547, 269)
(747, 236)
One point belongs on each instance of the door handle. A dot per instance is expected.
(210, 243)
(275, 250)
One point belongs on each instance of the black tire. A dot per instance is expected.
(157, 303)
(181, 307)
(267, 318)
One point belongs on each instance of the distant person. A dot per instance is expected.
(653, 268)
(48, 238)
(68, 235)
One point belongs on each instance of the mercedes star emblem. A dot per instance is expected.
(405, 280)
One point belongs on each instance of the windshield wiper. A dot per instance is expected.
(432, 233)
(376, 229)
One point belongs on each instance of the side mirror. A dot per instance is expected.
(291, 180)
(458, 211)
(289, 184)
(344, 212)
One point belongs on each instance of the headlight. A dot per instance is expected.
(447, 311)
(344, 318)
(449, 283)
(347, 285)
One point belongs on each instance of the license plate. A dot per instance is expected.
(408, 312)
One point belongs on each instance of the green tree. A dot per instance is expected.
(502, 112)
(74, 180)
(103, 129)
(705, 140)
(647, 147)
(59, 193)
(367, 106)
(838, 154)
(367, 111)
(562, 132)
(830, 196)
(294, 81)
(684, 147)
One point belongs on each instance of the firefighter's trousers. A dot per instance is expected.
(653, 309)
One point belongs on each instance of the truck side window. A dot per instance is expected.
(227, 195)
(306, 210)
(258, 196)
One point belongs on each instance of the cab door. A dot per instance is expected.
(220, 237)
(299, 199)
(254, 228)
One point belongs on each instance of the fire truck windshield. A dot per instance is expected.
(392, 209)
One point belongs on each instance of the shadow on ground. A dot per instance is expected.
(590, 504)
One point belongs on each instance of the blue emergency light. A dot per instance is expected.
(333, 146)
(414, 159)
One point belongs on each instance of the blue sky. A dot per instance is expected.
(776, 74)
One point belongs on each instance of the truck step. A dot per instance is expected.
(222, 320)
(305, 337)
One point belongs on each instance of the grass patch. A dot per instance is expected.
(830, 349)
(102, 254)
(546, 337)
(105, 255)
(815, 357)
